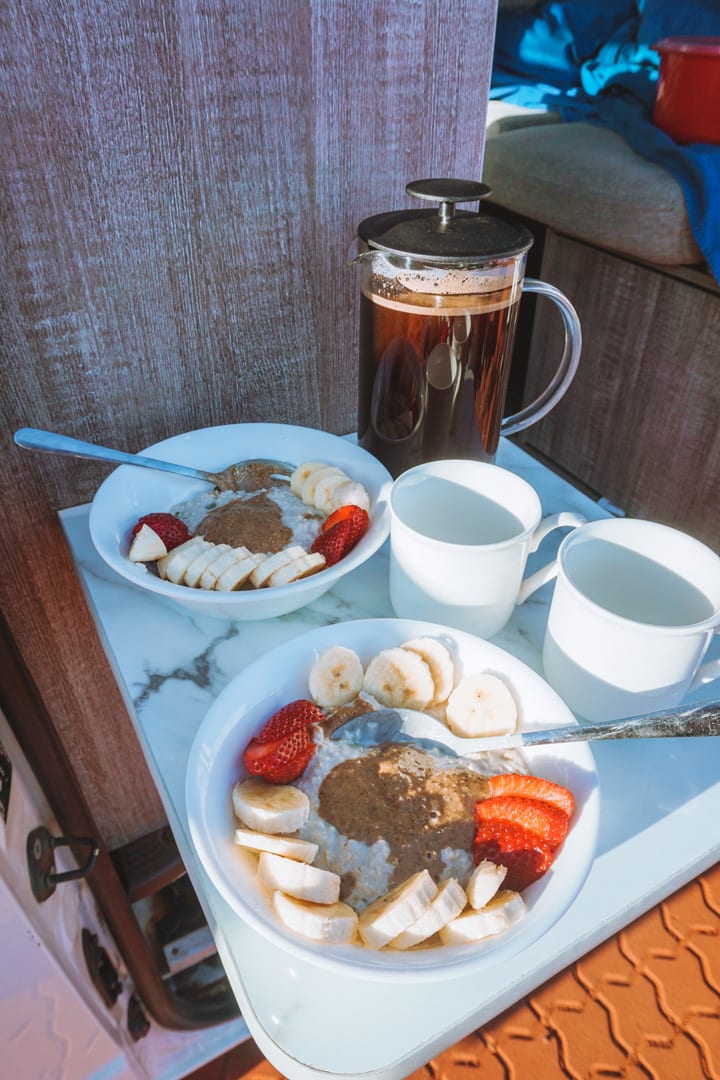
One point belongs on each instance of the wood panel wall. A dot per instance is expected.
(640, 424)
(181, 181)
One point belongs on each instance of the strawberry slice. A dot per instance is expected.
(356, 513)
(334, 543)
(171, 530)
(533, 787)
(283, 748)
(541, 819)
(526, 857)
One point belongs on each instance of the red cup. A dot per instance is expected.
(688, 94)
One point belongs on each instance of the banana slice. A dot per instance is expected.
(351, 493)
(238, 573)
(486, 879)
(336, 677)
(481, 705)
(499, 915)
(288, 846)
(398, 909)
(399, 678)
(298, 879)
(300, 475)
(307, 492)
(270, 808)
(201, 562)
(440, 662)
(214, 570)
(304, 566)
(324, 490)
(449, 901)
(146, 546)
(264, 570)
(332, 924)
(176, 562)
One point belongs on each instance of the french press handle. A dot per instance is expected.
(565, 372)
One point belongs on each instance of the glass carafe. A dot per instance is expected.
(439, 297)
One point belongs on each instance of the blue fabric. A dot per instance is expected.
(535, 48)
(615, 84)
(678, 18)
(550, 42)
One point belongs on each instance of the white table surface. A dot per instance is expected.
(660, 802)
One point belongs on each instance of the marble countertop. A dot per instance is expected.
(658, 797)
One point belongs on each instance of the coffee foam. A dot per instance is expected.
(455, 282)
(446, 281)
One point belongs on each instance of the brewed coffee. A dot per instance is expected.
(433, 380)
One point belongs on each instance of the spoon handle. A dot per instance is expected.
(50, 443)
(684, 720)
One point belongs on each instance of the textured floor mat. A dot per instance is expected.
(645, 1005)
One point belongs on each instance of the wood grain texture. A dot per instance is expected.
(641, 421)
(181, 182)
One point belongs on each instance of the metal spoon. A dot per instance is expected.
(233, 478)
(407, 725)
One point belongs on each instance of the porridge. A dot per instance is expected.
(261, 520)
(380, 814)
(272, 531)
(389, 843)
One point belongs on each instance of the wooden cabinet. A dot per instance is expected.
(641, 423)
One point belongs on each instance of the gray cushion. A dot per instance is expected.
(502, 117)
(586, 181)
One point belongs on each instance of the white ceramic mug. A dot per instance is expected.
(634, 609)
(460, 535)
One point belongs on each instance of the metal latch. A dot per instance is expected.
(189, 950)
(41, 861)
(101, 968)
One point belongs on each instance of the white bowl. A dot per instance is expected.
(240, 710)
(129, 492)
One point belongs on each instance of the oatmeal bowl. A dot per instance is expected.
(365, 849)
(281, 541)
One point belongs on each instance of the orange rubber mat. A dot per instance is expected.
(645, 1005)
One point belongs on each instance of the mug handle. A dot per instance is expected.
(546, 573)
(565, 373)
(707, 672)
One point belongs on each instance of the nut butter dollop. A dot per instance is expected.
(255, 523)
(398, 793)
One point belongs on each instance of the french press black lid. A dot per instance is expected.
(445, 233)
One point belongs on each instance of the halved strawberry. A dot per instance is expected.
(290, 718)
(356, 513)
(171, 530)
(539, 818)
(533, 787)
(334, 543)
(280, 761)
(526, 857)
(283, 748)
